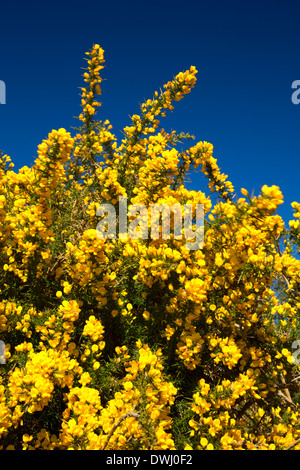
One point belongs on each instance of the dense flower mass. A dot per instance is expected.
(123, 343)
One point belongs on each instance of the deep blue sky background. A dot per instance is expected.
(247, 55)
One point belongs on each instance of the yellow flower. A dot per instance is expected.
(203, 441)
(146, 314)
(244, 192)
(85, 378)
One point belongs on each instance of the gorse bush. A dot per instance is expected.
(142, 343)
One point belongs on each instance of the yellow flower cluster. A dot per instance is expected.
(93, 78)
(201, 154)
(142, 343)
(225, 351)
(143, 383)
(31, 388)
(89, 425)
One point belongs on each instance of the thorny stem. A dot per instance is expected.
(124, 416)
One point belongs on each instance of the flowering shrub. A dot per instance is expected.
(141, 343)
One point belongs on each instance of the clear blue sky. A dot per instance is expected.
(247, 55)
